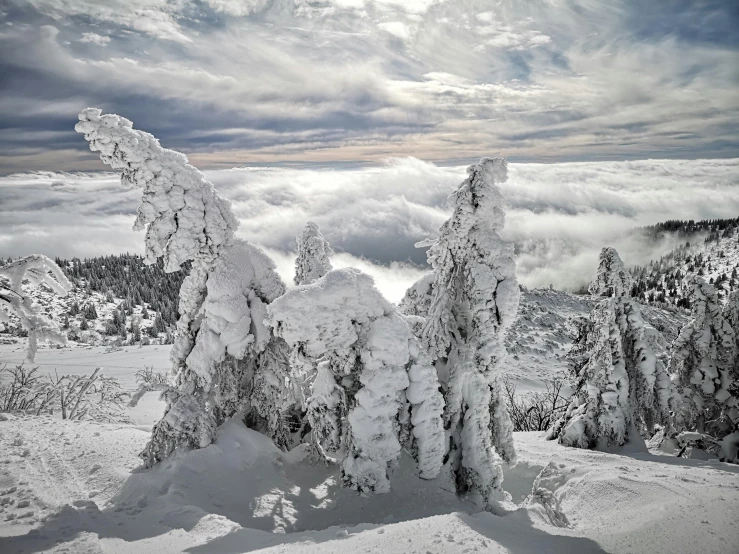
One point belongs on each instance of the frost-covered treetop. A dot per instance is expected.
(473, 264)
(479, 195)
(313, 255)
(612, 279)
(184, 216)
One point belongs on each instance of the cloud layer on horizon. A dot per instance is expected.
(270, 81)
(558, 215)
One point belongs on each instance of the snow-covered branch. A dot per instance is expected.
(35, 270)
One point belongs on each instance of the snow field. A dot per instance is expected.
(241, 494)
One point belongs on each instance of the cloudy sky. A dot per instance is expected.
(237, 82)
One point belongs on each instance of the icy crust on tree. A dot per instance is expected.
(312, 263)
(703, 359)
(370, 375)
(241, 282)
(416, 301)
(612, 278)
(235, 364)
(469, 301)
(184, 216)
(186, 424)
(36, 270)
(314, 252)
(620, 383)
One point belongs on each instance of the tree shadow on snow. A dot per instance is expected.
(517, 534)
(675, 461)
(245, 479)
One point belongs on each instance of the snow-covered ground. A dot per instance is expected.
(74, 487)
(77, 486)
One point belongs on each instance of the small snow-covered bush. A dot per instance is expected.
(93, 397)
(375, 387)
(23, 389)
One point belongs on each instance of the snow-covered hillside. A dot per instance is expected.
(73, 487)
(666, 282)
(90, 317)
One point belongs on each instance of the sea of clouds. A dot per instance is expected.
(559, 215)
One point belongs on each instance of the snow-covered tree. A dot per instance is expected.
(703, 359)
(468, 302)
(314, 252)
(312, 263)
(225, 360)
(375, 387)
(36, 270)
(620, 383)
(731, 315)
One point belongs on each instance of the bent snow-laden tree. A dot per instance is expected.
(620, 384)
(35, 270)
(703, 359)
(469, 302)
(314, 253)
(225, 360)
(375, 390)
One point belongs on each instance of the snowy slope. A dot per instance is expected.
(542, 335)
(242, 495)
(715, 261)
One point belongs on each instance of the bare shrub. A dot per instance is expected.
(149, 380)
(148, 376)
(76, 397)
(536, 411)
(22, 389)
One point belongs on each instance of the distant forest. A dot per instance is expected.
(126, 276)
(714, 228)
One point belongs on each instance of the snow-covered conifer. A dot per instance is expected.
(35, 270)
(314, 252)
(226, 361)
(620, 383)
(312, 263)
(703, 359)
(468, 302)
(371, 373)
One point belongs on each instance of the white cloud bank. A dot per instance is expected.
(559, 215)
